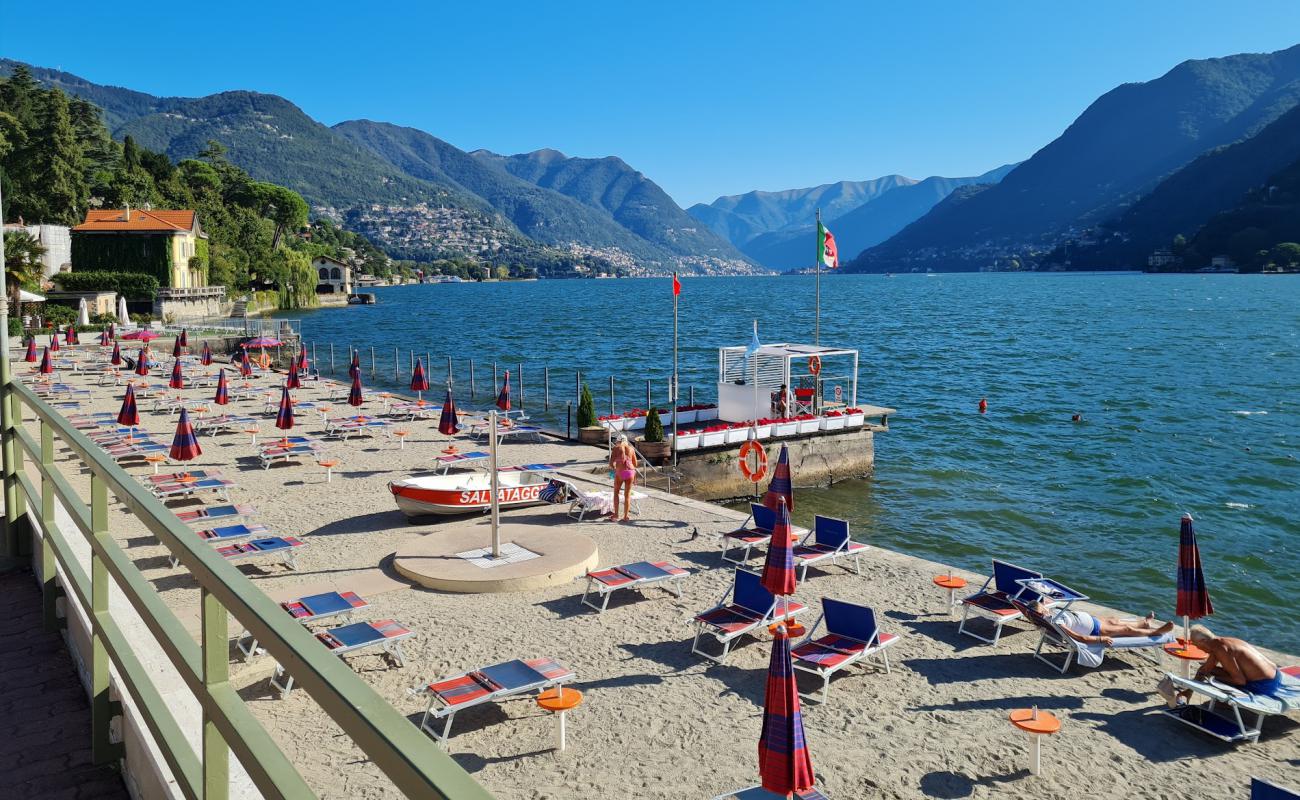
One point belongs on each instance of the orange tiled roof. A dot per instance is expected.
(115, 219)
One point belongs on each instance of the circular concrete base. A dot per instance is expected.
(432, 560)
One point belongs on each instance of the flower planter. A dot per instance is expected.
(764, 431)
(613, 424)
(654, 452)
(684, 417)
(713, 438)
(809, 425)
(832, 423)
(854, 420)
(593, 435)
(690, 441)
(737, 435)
(785, 429)
(706, 414)
(634, 424)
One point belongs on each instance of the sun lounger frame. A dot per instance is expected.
(1054, 635)
(247, 643)
(672, 580)
(391, 647)
(875, 642)
(448, 712)
(998, 598)
(750, 534)
(1231, 706)
(826, 551)
(777, 608)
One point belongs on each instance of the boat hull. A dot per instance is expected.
(420, 501)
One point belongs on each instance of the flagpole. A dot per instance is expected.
(753, 429)
(673, 393)
(817, 266)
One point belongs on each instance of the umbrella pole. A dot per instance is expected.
(496, 507)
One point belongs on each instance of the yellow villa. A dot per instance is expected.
(169, 245)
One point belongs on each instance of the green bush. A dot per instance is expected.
(586, 409)
(654, 427)
(133, 285)
(61, 316)
(15, 327)
(142, 320)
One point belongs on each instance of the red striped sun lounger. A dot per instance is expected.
(638, 575)
(205, 515)
(306, 610)
(170, 491)
(228, 534)
(492, 684)
(384, 634)
(281, 548)
(851, 636)
(752, 607)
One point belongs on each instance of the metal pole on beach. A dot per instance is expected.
(577, 386)
(672, 386)
(372, 362)
(568, 421)
(817, 269)
(449, 375)
(519, 373)
(331, 358)
(649, 405)
(496, 387)
(397, 366)
(496, 506)
(611, 394)
(546, 388)
(313, 358)
(471, 379)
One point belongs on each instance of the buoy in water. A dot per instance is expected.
(984, 405)
(1077, 418)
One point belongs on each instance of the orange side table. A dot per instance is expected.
(329, 465)
(155, 460)
(1186, 652)
(252, 432)
(1037, 724)
(560, 701)
(952, 583)
(401, 438)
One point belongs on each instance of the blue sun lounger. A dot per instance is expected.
(852, 635)
(828, 541)
(1227, 713)
(384, 634)
(1261, 789)
(487, 685)
(203, 516)
(993, 600)
(312, 608)
(1086, 655)
(228, 534)
(274, 547)
(751, 607)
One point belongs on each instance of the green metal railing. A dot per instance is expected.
(410, 759)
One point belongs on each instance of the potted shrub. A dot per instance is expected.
(589, 429)
(652, 444)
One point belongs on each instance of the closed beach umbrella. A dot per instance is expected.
(1193, 597)
(30, 357)
(784, 765)
(122, 317)
(302, 361)
(104, 338)
(116, 358)
(291, 380)
(70, 335)
(778, 567)
(184, 340)
(178, 380)
(142, 365)
(284, 418)
(503, 398)
(185, 445)
(47, 363)
(354, 368)
(128, 415)
(780, 488)
(245, 364)
(83, 313)
(206, 357)
(419, 381)
(223, 393)
(177, 348)
(112, 331)
(354, 396)
(448, 423)
(54, 342)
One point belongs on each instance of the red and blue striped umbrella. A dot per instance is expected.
(245, 364)
(54, 342)
(47, 364)
(206, 358)
(128, 415)
(223, 392)
(503, 399)
(116, 358)
(104, 338)
(112, 331)
(780, 487)
(419, 381)
(185, 445)
(1193, 597)
(142, 364)
(354, 396)
(284, 418)
(778, 567)
(178, 380)
(177, 348)
(302, 361)
(291, 379)
(31, 358)
(184, 339)
(70, 336)
(784, 765)
(449, 422)
(354, 369)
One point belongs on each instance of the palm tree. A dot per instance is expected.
(22, 263)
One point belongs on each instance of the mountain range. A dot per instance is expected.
(418, 196)
(1120, 148)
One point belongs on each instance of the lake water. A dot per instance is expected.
(1189, 387)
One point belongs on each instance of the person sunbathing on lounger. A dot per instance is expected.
(1084, 627)
(1235, 662)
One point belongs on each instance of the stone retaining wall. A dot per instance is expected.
(815, 460)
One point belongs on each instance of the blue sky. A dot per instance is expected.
(705, 98)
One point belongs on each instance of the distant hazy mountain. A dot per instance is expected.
(1118, 149)
(869, 224)
(627, 196)
(1265, 217)
(741, 218)
(1182, 203)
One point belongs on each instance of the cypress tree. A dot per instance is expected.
(57, 187)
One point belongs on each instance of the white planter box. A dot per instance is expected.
(713, 438)
(613, 424)
(634, 423)
(683, 417)
(809, 425)
(854, 420)
(688, 442)
(832, 423)
(737, 435)
(705, 414)
(764, 431)
(785, 429)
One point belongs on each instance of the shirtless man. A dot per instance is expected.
(1235, 662)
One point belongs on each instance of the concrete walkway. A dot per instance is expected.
(44, 712)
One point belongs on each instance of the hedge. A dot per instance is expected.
(134, 285)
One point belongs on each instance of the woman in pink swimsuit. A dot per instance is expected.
(622, 460)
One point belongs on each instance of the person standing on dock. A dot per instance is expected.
(622, 459)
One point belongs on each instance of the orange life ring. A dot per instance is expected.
(815, 365)
(757, 472)
(264, 360)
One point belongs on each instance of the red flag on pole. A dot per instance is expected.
(677, 285)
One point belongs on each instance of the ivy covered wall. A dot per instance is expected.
(99, 252)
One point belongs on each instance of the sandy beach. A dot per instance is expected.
(657, 720)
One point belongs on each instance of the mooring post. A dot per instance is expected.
(577, 386)
(568, 421)
(611, 394)
(397, 366)
(546, 388)
(647, 395)
(692, 394)
(471, 379)
(331, 358)
(372, 362)
(449, 375)
(496, 387)
(519, 373)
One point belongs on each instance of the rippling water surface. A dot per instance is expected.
(1189, 387)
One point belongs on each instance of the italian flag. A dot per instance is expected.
(827, 254)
